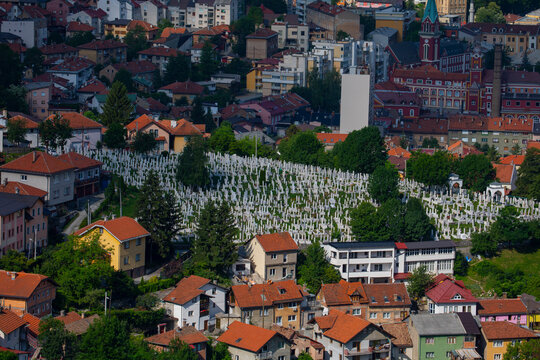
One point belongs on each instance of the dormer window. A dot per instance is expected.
(457, 297)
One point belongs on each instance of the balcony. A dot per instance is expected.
(204, 312)
(367, 351)
(264, 355)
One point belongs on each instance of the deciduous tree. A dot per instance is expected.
(314, 270)
(115, 136)
(383, 183)
(192, 168)
(56, 342)
(16, 131)
(419, 281)
(476, 171)
(144, 142)
(362, 151)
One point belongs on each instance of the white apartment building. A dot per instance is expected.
(150, 11)
(292, 35)
(33, 32)
(177, 12)
(381, 262)
(117, 9)
(208, 13)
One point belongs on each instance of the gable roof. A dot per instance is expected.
(37, 162)
(501, 307)
(437, 324)
(394, 294)
(14, 187)
(79, 161)
(78, 121)
(159, 51)
(262, 33)
(245, 336)
(123, 228)
(512, 159)
(11, 203)
(93, 86)
(9, 321)
(187, 334)
(187, 289)
(400, 332)
(187, 87)
(331, 138)
(504, 173)
(81, 326)
(502, 330)
(182, 127)
(33, 322)
(344, 327)
(102, 45)
(57, 49)
(22, 286)
(277, 242)
(257, 295)
(339, 294)
(445, 289)
(69, 318)
(75, 26)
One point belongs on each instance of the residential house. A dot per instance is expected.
(161, 132)
(273, 109)
(75, 28)
(33, 32)
(45, 172)
(187, 89)
(196, 301)
(334, 19)
(506, 175)
(533, 311)
(104, 51)
(176, 13)
(52, 51)
(202, 14)
(92, 88)
(32, 131)
(300, 343)
(23, 224)
(516, 160)
(447, 7)
(150, 11)
(269, 303)
(437, 256)
(435, 336)
(127, 240)
(387, 303)
(86, 133)
(14, 187)
(292, 33)
(27, 293)
(59, 10)
(249, 342)
(416, 130)
(32, 330)
(180, 132)
(117, 9)
(38, 95)
(87, 173)
(344, 296)
(498, 335)
(448, 295)
(402, 345)
(138, 69)
(149, 29)
(12, 331)
(116, 28)
(75, 323)
(261, 44)
(344, 335)
(187, 334)
(92, 17)
(511, 310)
(273, 256)
(329, 140)
(76, 70)
(158, 56)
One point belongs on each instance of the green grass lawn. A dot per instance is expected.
(528, 263)
(129, 208)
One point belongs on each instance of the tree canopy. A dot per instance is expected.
(383, 183)
(192, 167)
(54, 132)
(476, 171)
(16, 131)
(144, 142)
(314, 270)
(490, 14)
(528, 182)
(302, 147)
(115, 136)
(419, 281)
(362, 151)
(117, 107)
(431, 170)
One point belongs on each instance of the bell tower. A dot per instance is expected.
(429, 46)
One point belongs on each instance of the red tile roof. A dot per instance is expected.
(262, 33)
(252, 296)
(183, 127)
(380, 295)
(187, 334)
(340, 294)
(37, 162)
(79, 161)
(277, 242)
(400, 332)
(140, 123)
(504, 173)
(422, 126)
(399, 151)
(22, 286)
(326, 8)
(136, 66)
(14, 187)
(75, 26)
(187, 289)
(247, 337)
(72, 64)
(499, 124)
(145, 25)
(186, 87)
(512, 159)
(169, 31)
(17, 48)
(428, 72)
(501, 307)
(123, 228)
(69, 318)
(345, 327)
(57, 49)
(26, 122)
(33, 322)
(330, 138)
(102, 45)
(533, 144)
(445, 288)
(159, 51)
(9, 321)
(94, 86)
(78, 121)
(95, 13)
(503, 330)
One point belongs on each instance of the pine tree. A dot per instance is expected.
(197, 113)
(208, 64)
(117, 108)
(191, 170)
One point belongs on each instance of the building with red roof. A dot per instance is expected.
(159, 56)
(58, 51)
(272, 109)
(511, 310)
(330, 139)
(499, 335)
(187, 334)
(89, 16)
(13, 330)
(74, 27)
(251, 342)
(87, 173)
(196, 301)
(42, 171)
(19, 292)
(273, 256)
(137, 68)
(516, 160)
(86, 133)
(76, 70)
(125, 238)
(14, 187)
(342, 333)
(60, 9)
(103, 51)
(506, 175)
(448, 295)
(182, 89)
(261, 44)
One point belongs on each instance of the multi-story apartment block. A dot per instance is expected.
(516, 38)
(150, 11)
(92, 17)
(27, 293)
(453, 7)
(38, 96)
(75, 70)
(158, 56)
(33, 32)
(116, 9)
(87, 173)
(196, 301)
(292, 33)
(208, 13)
(383, 262)
(394, 19)
(177, 12)
(273, 256)
(334, 19)
(104, 51)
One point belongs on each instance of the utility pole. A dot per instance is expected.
(106, 298)
(262, 297)
(120, 189)
(88, 214)
(35, 243)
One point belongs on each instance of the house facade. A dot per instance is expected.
(448, 295)
(498, 335)
(87, 173)
(85, 133)
(511, 310)
(273, 256)
(12, 331)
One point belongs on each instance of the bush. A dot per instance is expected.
(486, 268)
(155, 284)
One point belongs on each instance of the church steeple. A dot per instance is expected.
(428, 49)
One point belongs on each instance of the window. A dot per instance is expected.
(284, 257)
(278, 320)
(272, 272)
(24, 177)
(430, 355)
(190, 313)
(430, 340)
(280, 306)
(138, 242)
(357, 312)
(497, 356)
(137, 257)
(373, 315)
(126, 245)
(497, 343)
(291, 318)
(386, 315)
(451, 340)
(273, 256)
(448, 354)
(126, 260)
(265, 312)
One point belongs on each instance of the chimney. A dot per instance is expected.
(62, 312)
(497, 73)
(83, 315)
(34, 156)
(173, 123)
(13, 275)
(17, 191)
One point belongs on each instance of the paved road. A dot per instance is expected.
(74, 226)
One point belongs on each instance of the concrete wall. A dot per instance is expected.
(355, 102)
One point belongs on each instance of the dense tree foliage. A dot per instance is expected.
(80, 38)
(383, 184)
(125, 77)
(56, 342)
(178, 69)
(192, 165)
(115, 136)
(16, 131)
(362, 151)
(14, 260)
(528, 182)
(314, 270)
(8, 355)
(117, 107)
(419, 281)
(303, 148)
(430, 143)
(476, 171)
(54, 132)
(144, 142)
(33, 60)
(490, 14)
(489, 58)
(222, 138)
(11, 71)
(322, 92)
(431, 170)
(523, 350)
(208, 63)
(460, 264)
(136, 41)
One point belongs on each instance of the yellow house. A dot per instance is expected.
(180, 131)
(125, 238)
(533, 311)
(498, 335)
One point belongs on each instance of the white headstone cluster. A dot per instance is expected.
(307, 201)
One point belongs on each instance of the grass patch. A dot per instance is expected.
(129, 207)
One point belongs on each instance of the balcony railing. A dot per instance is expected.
(264, 355)
(367, 351)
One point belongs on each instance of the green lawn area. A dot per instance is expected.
(129, 207)
(507, 260)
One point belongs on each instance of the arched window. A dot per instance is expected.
(426, 51)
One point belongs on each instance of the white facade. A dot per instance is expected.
(445, 308)
(437, 256)
(193, 312)
(77, 78)
(84, 18)
(84, 138)
(117, 9)
(292, 36)
(356, 102)
(177, 16)
(33, 32)
(211, 13)
(150, 12)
